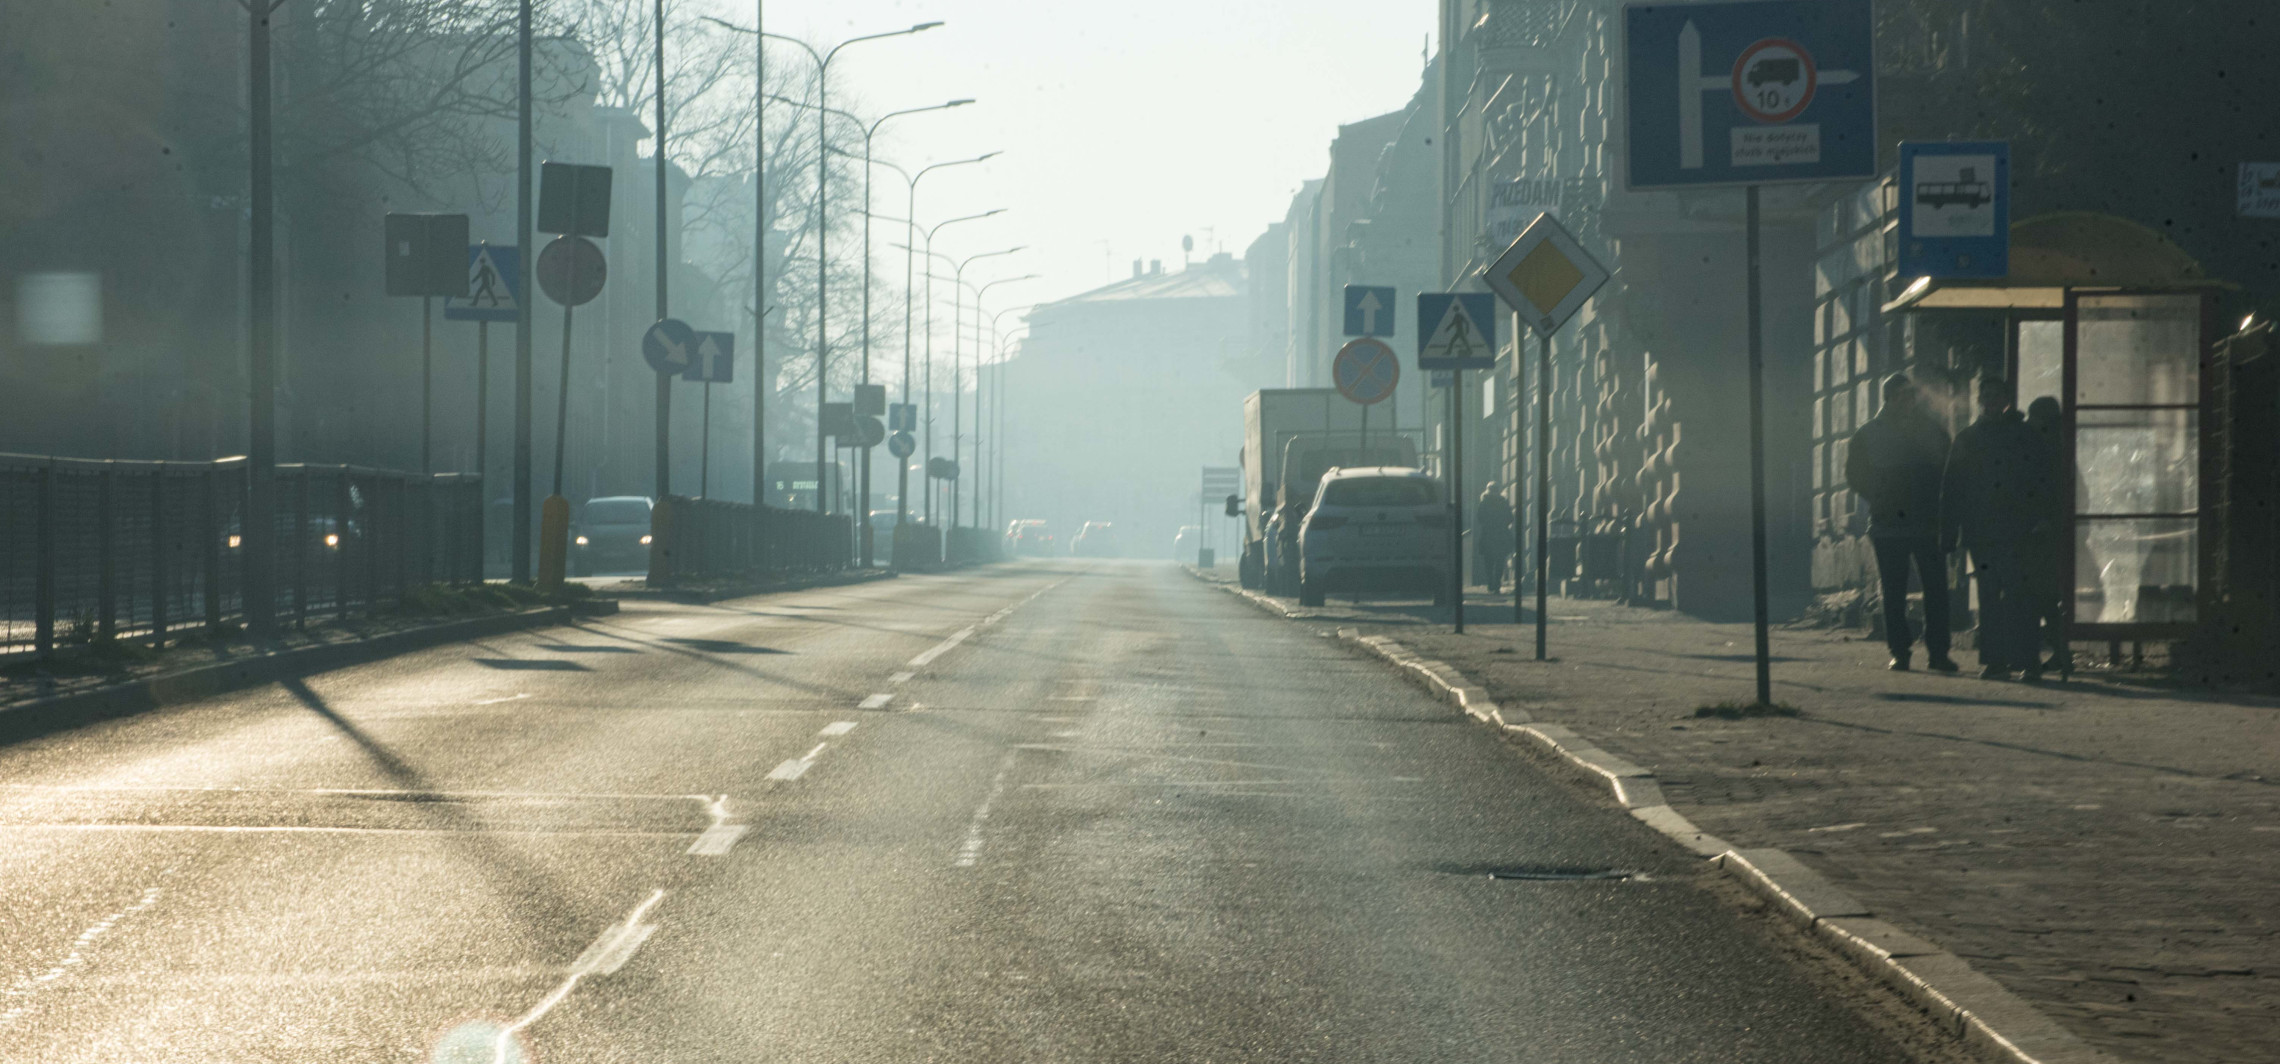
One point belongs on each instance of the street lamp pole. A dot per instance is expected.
(910, 257)
(822, 216)
(979, 349)
(997, 411)
(957, 347)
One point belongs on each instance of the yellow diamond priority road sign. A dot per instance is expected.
(1545, 276)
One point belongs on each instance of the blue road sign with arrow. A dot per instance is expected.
(1955, 208)
(494, 276)
(1456, 330)
(1750, 93)
(715, 360)
(1369, 310)
(669, 345)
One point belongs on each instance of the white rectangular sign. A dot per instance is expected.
(2260, 190)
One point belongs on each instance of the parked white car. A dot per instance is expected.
(1375, 528)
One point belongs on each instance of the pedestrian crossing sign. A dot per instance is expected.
(493, 285)
(1456, 330)
(1545, 275)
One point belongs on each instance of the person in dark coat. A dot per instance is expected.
(2046, 563)
(1994, 501)
(1492, 538)
(1895, 462)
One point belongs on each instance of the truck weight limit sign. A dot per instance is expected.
(1366, 371)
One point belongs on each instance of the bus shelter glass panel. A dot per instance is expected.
(2138, 350)
(2136, 570)
(2137, 462)
(2042, 361)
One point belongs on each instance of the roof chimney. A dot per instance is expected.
(1155, 266)
(1135, 268)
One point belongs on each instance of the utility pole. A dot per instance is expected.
(760, 263)
(523, 230)
(664, 380)
(261, 451)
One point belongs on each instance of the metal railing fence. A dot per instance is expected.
(705, 539)
(100, 550)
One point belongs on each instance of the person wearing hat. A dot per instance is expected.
(1895, 462)
(1994, 502)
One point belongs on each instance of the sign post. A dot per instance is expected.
(573, 201)
(423, 261)
(1798, 103)
(494, 286)
(1955, 209)
(1456, 332)
(714, 363)
(1545, 277)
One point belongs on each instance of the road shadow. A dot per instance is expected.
(531, 665)
(724, 646)
(572, 648)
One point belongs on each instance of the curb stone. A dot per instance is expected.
(206, 681)
(1962, 1000)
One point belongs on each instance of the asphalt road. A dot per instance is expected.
(1052, 811)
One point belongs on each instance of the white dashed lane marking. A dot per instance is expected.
(838, 727)
(876, 702)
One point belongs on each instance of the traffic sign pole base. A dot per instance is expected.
(553, 542)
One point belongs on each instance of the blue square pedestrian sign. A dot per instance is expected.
(493, 284)
(1456, 330)
(1749, 93)
(1955, 209)
(1369, 310)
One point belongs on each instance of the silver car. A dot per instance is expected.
(1375, 528)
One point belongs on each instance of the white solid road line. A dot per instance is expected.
(26, 986)
(901, 677)
(875, 702)
(608, 954)
(838, 727)
(496, 701)
(971, 851)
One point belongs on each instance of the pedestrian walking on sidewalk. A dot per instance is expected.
(2046, 563)
(1492, 538)
(1895, 462)
(1993, 503)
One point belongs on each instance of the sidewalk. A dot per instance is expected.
(2109, 851)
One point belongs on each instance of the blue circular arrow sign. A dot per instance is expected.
(669, 346)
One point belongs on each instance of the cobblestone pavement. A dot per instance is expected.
(2109, 851)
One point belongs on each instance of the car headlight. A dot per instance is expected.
(581, 541)
(235, 541)
(645, 539)
(332, 539)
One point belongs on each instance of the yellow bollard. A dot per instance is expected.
(553, 541)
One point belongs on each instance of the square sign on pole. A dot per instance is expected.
(1751, 93)
(714, 361)
(1955, 208)
(1456, 330)
(1369, 310)
(902, 417)
(1545, 275)
(492, 276)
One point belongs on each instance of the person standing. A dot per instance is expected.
(1895, 462)
(2046, 563)
(1492, 538)
(1993, 503)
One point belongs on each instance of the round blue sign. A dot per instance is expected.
(669, 346)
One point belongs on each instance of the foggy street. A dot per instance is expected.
(1124, 818)
(987, 532)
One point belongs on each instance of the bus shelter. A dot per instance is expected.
(2119, 325)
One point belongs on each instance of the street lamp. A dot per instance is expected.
(957, 345)
(910, 213)
(863, 489)
(930, 253)
(978, 352)
(822, 216)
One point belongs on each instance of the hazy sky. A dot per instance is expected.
(1124, 125)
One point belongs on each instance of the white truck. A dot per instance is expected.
(1291, 436)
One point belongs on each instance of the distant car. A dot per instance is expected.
(1187, 544)
(1096, 540)
(610, 534)
(1376, 528)
(883, 536)
(1031, 538)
